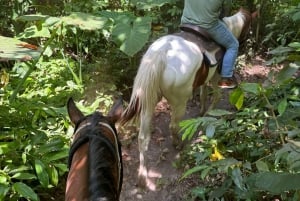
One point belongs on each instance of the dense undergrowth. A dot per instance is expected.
(252, 149)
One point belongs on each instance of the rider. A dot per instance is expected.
(206, 14)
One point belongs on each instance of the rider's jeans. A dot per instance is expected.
(222, 35)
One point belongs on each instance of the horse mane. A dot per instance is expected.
(102, 157)
(247, 20)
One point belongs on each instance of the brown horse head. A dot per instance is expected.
(95, 161)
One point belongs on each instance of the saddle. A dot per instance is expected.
(213, 53)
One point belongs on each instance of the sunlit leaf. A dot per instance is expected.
(14, 49)
(85, 21)
(53, 174)
(24, 176)
(41, 172)
(25, 191)
(261, 166)
(132, 33)
(188, 127)
(282, 106)
(236, 98)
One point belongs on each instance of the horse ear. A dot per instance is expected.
(74, 113)
(116, 111)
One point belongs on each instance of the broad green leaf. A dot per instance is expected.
(132, 33)
(262, 166)
(236, 98)
(251, 88)
(219, 112)
(20, 168)
(281, 50)
(14, 49)
(226, 163)
(85, 21)
(53, 174)
(3, 178)
(193, 170)
(6, 147)
(205, 172)
(287, 72)
(210, 130)
(295, 166)
(295, 45)
(293, 133)
(25, 191)
(34, 32)
(56, 155)
(282, 106)
(33, 17)
(237, 178)
(3, 191)
(50, 21)
(62, 167)
(188, 127)
(41, 173)
(275, 182)
(149, 4)
(55, 144)
(23, 176)
(296, 16)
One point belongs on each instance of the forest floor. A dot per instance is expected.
(162, 156)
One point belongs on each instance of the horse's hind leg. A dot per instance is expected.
(143, 139)
(203, 99)
(178, 110)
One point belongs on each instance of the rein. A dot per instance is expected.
(81, 139)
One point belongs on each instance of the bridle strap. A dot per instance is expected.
(117, 148)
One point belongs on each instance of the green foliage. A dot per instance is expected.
(75, 37)
(254, 151)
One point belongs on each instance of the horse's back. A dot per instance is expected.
(182, 61)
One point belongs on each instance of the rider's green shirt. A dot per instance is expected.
(204, 13)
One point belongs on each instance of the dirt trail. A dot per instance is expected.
(162, 155)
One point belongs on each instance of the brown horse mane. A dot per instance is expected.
(247, 25)
(102, 157)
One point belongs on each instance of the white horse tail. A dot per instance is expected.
(146, 90)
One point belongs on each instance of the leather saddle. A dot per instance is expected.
(213, 53)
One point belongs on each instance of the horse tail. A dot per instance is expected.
(146, 88)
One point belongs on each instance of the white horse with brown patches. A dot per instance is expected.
(173, 67)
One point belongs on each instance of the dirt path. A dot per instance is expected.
(162, 155)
